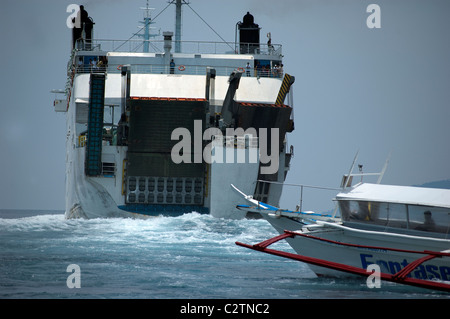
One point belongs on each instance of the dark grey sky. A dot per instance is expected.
(373, 90)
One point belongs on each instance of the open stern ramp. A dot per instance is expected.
(152, 177)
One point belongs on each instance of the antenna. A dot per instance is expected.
(178, 4)
(384, 168)
(347, 179)
(147, 22)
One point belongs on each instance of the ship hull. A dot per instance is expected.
(389, 262)
(99, 197)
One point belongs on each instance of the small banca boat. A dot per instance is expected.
(400, 232)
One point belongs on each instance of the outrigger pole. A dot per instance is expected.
(400, 277)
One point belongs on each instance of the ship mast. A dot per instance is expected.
(178, 4)
(147, 22)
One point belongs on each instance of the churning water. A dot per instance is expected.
(191, 257)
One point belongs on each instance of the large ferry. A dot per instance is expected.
(164, 126)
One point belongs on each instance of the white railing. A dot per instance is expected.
(196, 47)
(181, 69)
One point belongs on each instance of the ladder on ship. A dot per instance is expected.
(93, 159)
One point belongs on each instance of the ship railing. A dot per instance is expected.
(299, 207)
(193, 47)
(245, 142)
(182, 70)
(248, 141)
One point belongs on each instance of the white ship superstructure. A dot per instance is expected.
(129, 114)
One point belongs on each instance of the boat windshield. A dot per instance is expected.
(399, 216)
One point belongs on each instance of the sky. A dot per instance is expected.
(378, 91)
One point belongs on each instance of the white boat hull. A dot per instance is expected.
(390, 262)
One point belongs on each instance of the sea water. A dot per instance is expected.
(192, 256)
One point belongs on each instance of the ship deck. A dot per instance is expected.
(109, 55)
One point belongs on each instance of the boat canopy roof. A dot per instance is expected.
(411, 195)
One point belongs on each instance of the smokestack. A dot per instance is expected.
(167, 46)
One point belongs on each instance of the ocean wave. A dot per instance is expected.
(163, 257)
(185, 229)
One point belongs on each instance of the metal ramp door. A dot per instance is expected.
(152, 176)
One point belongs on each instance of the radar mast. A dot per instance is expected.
(147, 22)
